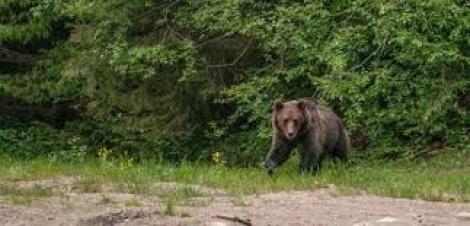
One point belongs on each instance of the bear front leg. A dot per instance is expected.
(310, 156)
(278, 154)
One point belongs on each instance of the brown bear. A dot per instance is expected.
(316, 130)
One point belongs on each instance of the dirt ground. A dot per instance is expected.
(316, 207)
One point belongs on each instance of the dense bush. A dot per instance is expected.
(184, 79)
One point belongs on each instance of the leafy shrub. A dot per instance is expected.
(180, 80)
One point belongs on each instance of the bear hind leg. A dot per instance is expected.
(341, 149)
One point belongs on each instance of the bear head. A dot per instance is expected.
(290, 118)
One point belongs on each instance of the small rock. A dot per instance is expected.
(464, 215)
(387, 220)
(50, 218)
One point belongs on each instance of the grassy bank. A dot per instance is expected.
(446, 177)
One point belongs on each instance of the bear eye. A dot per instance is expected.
(296, 121)
(286, 121)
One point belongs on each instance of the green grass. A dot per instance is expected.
(24, 196)
(446, 177)
(182, 193)
(169, 209)
(132, 203)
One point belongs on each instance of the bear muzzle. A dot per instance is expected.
(290, 135)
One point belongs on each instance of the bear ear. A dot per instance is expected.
(278, 105)
(302, 105)
(309, 102)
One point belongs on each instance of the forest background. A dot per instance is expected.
(195, 80)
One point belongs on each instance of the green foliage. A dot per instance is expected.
(30, 141)
(181, 80)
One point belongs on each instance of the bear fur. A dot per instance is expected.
(315, 130)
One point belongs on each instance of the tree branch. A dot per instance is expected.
(235, 219)
(380, 47)
(215, 39)
(236, 60)
(175, 32)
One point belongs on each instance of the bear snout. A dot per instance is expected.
(290, 135)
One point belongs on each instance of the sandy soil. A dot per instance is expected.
(316, 207)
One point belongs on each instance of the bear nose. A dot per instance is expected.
(290, 135)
